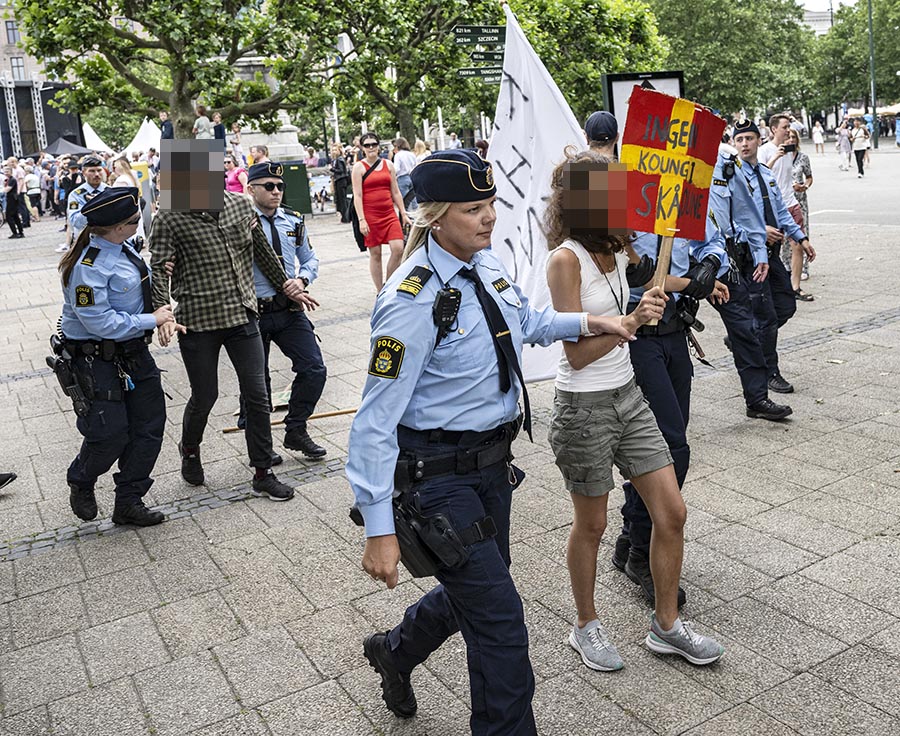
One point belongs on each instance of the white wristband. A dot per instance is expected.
(585, 331)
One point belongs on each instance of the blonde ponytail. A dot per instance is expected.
(423, 218)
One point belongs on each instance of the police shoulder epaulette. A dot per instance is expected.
(414, 282)
(720, 182)
(738, 162)
(294, 213)
(90, 255)
(713, 218)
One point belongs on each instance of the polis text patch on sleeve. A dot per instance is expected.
(84, 296)
(387, 357)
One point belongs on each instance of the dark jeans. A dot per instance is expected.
(860, 155)
(663, 370)
(130, 430)
(773, 304)
(200, 351)
(12, 215)
(737, 316)
(293, 333)
(479, 599)
(342, 198)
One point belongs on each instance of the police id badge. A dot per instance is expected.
(387, 356)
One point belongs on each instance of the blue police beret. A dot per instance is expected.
(112, 206)
(745, 126)
(459, 175)
(264, 170)
(91, 160)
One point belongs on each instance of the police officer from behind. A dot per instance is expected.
(92, 168)
(663, 370)
(732, 206)
(281, 316)
(438, 414)
(601, 130)
(106, 326)
(774, 301)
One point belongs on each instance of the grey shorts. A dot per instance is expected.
(589, 431)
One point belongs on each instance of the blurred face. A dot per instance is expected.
(747, 144)
(856, 123)
(164, 116)
(93, 175)
(466, 227)
(265, 199)
(594, 200)
(217, 118)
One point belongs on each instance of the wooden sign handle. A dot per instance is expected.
(278, 422)
(662, 267)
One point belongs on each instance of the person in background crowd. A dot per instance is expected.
(818, 136)
(202, 129)
(11, 192)
(259, 154)
(600, 418)
(843, 146)
(33, 191)
(48, 200)
(340, 177)
(125, 177)
(794, 259)
(859, 140)
(421, 150)
(404, 162)
(92, 168)
(234, 141)
(235, 176)
(312, 160)
(19, 175)
(601, 130)
(454, 142)
(481, 146)
(375, 200)
(218, 127)
(167, 129)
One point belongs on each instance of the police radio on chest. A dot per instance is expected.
(444, 310)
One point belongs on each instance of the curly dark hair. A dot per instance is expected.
(555, 222)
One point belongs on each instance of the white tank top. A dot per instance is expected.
(599, 293)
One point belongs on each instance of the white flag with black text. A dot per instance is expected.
(533, 124)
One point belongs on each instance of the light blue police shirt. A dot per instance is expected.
(785, 222)
(287, 222)
(78, 197)
(736, 213)
(454, 386)
(104, 299)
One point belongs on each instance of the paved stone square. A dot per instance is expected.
(243, 617)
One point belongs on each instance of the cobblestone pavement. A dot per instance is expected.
(239, 616)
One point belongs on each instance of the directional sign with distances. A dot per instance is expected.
(479, 35)
(483, 72)
(491, 56)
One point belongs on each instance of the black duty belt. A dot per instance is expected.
(277, 303)
(676, 324)
(108, 349)
(475, 450)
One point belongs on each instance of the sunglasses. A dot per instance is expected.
(370, 145)
(271, 185)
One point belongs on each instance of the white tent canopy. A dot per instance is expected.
(147, 137)
(92, 140)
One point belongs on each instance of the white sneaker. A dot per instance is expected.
(62, 248)
(596, 650)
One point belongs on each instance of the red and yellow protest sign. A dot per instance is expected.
(670, 146)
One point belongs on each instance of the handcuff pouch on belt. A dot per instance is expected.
(740, 256)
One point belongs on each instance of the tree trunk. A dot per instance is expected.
(407, 123)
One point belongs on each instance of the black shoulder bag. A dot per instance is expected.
(354, 218)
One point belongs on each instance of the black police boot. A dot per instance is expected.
(768, 409)
(638, 570)
(276, 459)
(6, 479)
(191, 467)
(299, 439)
(83, 502)
(272, 487)
(137, 514)
(779, 385)
(396, 689)
(620, 555)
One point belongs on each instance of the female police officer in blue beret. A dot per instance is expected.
(438, 414)
(106, 326)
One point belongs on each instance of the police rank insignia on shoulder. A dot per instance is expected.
(413, 283)
(73, 205)
(720, 182)
(387, 356)
(500, 284)
(90, 255)
(84, 296)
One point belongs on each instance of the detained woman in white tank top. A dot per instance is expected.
(600, 418)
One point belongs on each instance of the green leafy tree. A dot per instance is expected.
(746, 54)
(116, 129)
(139, 57)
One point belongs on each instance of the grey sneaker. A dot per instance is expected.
(596, 650)
(695, 648)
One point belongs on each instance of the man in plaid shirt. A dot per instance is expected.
(212, 281)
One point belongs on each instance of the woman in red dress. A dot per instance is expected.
(374, 200)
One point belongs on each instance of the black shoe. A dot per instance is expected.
(638, 570)
(6, 479)
(727, 341)
(138, 515)
(620, 555)
(768, 409)
(779, 385)
(83, 502)
(396, 689)
(276, 459)
(802, 296)
(273, 488)
(299, 439)
(191, 467)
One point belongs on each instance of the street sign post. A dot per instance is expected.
(479, 35)
(494, 57)
(482, 72)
